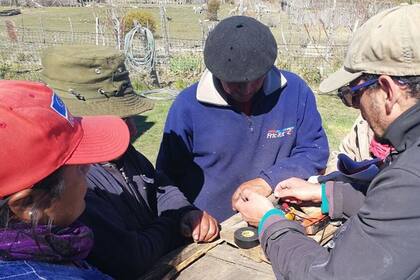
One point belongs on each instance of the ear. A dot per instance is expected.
(20, 204)
(391, 90)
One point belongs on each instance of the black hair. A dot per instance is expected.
(51, 187)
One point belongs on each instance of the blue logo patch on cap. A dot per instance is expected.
(60, 108)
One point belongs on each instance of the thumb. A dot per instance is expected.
(282, 189)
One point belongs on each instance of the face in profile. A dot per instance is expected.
(70, 204)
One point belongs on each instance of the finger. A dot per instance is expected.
(235, 198)
(217, 230)
(211, 231)
(196, 231)
(239, 198)
(292, 200)
(204, 228)
(242, 195)
(282, 193)
(247, 194)
(240, 205)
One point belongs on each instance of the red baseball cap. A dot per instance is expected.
(38, 135)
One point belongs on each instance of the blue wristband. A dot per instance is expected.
(325, 207)
(267, 214)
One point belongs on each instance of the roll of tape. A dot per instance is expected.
(246, 237)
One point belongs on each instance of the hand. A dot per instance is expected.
(252, 206)
(200, 226)
(296, 190)
(256, 185)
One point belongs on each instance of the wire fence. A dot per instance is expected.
(24, 45)
(312, 38)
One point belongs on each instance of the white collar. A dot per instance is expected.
(207, 92)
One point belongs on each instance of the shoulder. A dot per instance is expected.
(293, 79)
(409, 160)
(187, 96)
(184, 106)
(137, 163)
(295, 86)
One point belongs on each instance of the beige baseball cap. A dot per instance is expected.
(388, 43)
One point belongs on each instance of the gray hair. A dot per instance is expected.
(412, 83)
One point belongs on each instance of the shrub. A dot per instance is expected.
(213, 7)
(180, 84)
(185, 65)
(145, 18)
(5, 69)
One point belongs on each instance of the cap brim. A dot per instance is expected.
(104, 138)
(338, 79)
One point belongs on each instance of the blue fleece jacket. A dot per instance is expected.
(209, 148)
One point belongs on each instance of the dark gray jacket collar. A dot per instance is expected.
(405, 130)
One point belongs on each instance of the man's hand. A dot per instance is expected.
(200, 226)
(256, 185)
(252, 206)
(296, 190)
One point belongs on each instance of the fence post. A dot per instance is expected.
(164, 23)
(97, 30)
(71, 30)
(42, 28)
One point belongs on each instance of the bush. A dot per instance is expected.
(145, 18)
(213, 7)
(185, 65)
(5, 69)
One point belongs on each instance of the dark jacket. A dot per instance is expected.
(209, 147)
(134, 214)
(381, 239)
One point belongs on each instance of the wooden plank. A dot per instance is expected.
(232, 254)
(229, 226)
(177, 260)
(256, 254)
(220, 252)
(224, 262)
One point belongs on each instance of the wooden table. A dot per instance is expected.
(221, 259)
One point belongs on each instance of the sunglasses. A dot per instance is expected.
(350, 96)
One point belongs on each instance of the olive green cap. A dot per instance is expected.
(92, 80)
(388, 43)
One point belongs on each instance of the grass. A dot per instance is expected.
(183, 22)
(150, 126)
(336, 118)
(337, 121)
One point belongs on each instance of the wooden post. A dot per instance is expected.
(71, 30)
(41, 19)
(164, 23)
(97, 30)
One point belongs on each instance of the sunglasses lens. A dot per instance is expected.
(355, 101)
(345, 94)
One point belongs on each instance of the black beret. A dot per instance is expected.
(240, 49)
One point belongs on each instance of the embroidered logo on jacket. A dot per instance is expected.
(280, 132)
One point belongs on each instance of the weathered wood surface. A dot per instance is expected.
(221, 259)
(224, 262)
(169, 265)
